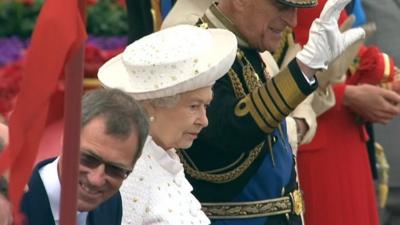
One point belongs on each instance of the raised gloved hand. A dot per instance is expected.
(326, 42)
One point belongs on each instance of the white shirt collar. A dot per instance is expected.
(51, 182)
(167, 159)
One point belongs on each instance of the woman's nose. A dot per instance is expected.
(203, 120)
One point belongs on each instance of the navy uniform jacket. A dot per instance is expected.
(36, 206)
(244, 154)
(232, 140)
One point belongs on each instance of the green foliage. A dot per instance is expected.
(18, 19)
(106, 18)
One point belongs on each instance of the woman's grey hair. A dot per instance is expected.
(122, 113)
(168, 102)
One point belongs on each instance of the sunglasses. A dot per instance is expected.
(93, 161)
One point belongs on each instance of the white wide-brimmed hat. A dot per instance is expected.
(171, 61)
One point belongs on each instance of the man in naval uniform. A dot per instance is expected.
(242, 166)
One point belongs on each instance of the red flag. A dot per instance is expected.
(59, 31)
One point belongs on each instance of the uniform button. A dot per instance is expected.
(274, 139)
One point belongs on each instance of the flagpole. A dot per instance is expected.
(72, 125)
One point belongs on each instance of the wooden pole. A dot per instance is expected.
(72, 127)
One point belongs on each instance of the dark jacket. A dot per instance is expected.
(36, 206)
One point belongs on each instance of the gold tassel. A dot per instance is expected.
(383, 168)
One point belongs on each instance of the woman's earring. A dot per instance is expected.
(151, 118)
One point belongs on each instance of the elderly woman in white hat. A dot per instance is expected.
(171, 72)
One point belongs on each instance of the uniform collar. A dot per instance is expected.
(216, 19)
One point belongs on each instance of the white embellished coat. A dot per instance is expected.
(157, 192)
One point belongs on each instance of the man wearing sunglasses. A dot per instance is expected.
(113, 131)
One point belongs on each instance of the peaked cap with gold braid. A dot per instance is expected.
(189, 11)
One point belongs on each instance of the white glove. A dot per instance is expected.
(326, 42)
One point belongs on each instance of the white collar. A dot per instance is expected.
(167, 159)
(51, 182)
